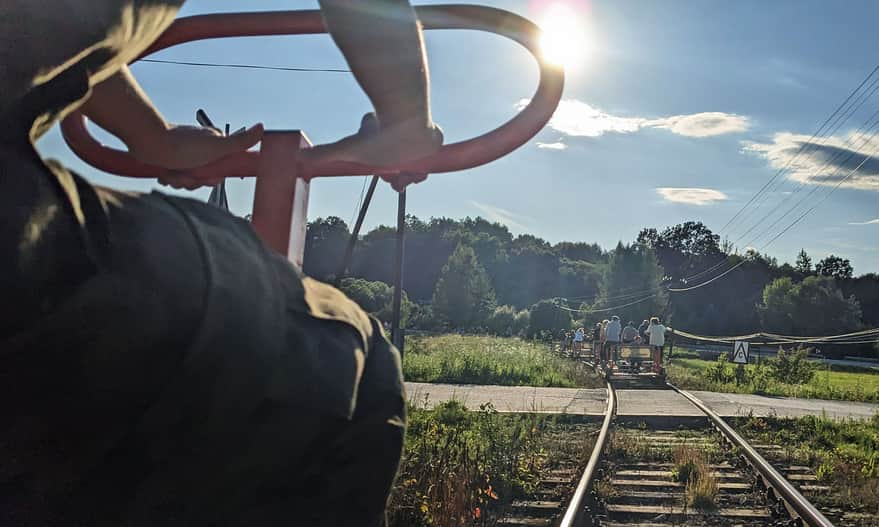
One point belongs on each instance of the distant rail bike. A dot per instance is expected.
(627, 358)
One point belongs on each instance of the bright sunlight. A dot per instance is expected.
(564, 39)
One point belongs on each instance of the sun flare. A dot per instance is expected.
(563, 41)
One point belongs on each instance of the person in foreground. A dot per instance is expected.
(159, 365)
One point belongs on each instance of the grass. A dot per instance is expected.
(467, 359)
(691, 465)
(829, 382)
(465, 467)
(844, 454)
(692, 468)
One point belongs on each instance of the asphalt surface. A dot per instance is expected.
(631, 403)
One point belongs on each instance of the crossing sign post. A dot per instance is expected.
(740, 352)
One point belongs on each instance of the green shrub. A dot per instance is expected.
(547, 319)
(500, 322)
(720, 371)
(793, 367)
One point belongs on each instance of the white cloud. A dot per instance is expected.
(825, 161)
(580, 119)
(500, 215)
(691, 196)
(576, 118)
(553, 146)
(870, 222)
(705, 124)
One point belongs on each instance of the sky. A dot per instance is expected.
(672, 111)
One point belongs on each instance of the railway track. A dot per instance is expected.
(687, 475)
(570, 446)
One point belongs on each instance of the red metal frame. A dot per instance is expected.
(280, 199)
(458, 156)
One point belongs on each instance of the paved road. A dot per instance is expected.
(735, 404)
(573, 401)
(664, 403)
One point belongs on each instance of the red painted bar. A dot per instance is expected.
(280, 200)
(458, 156)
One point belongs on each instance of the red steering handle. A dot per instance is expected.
(458, 156)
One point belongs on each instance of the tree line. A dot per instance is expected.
(473, 274)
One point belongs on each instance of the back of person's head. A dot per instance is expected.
(614, 317)
(605, 322)
(630, 323)
(654, 320)
(645, 321)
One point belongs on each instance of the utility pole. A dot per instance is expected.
(396, 331)
(349, 250)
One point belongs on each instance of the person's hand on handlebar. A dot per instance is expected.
(182, 147)
(119, 106)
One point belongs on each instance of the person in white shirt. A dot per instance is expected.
(656, 332)
(614, 327)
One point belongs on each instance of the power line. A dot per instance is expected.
(244, 66)
(866, 126)
(838, 184)
(856, 105)
(606, 309)
(866, 336)
(851, 153)
(360, 200)
(703, 284)
(786, 229)
(800, 150)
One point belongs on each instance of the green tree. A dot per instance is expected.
(834, 266)
(815, 306)
(501, 321)
(631, 274)
(376, 298)
(325, 242)
(683, 249)
(804, 263)
(586, 252)
(779, 298)
(463, 295)
(531, 272)
(546, 317)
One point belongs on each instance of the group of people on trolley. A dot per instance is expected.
(610, 335)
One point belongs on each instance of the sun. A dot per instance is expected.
(563, 41)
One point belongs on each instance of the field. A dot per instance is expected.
(829, 382)
(466, 359)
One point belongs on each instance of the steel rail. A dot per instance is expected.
(453, 157)
(578, 504)
(795, 503)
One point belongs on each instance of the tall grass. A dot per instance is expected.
(467, 359)
(692, 468)
(463, 468)
(844, 454)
